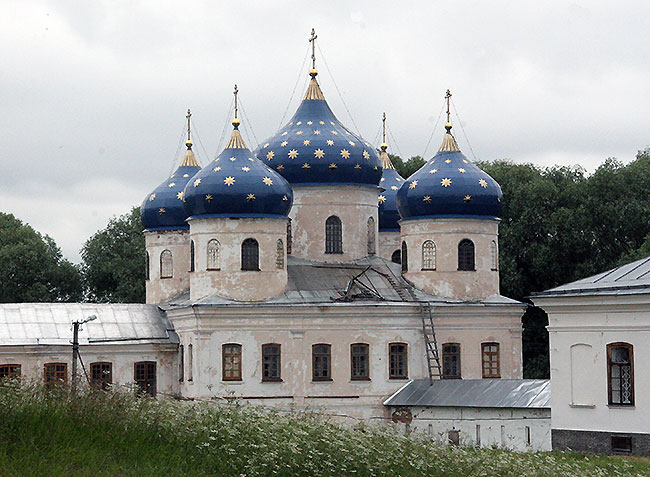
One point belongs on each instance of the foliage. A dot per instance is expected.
(33, 268)
(51, 432)
(114, 261)
(406, 169)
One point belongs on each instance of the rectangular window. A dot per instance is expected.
(398, 360)
(622, 444)
(321, 362)
(231, 362)
(478, 434)
(451, 361)
(145, 377)
(271, 362)
(527, 435)
(9, 371)
(359, 360)
(190, 362)
(56, 373)
(620, 373)
(101, 375)
(490, 358)
(181, 363)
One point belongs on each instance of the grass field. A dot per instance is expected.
(114, 433)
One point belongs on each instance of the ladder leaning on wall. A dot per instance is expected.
(431, 344)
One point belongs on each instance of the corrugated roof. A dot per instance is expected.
(492, 393)
(632, 278)
(51, 323)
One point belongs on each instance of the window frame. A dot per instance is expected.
(147, 270)
(10, 371)
(494, 251)
(250, 255)
(190, 362)
(213, 255)
(147, 385)
(404, 257)
(392, 354)
(372, 236)
(224, 355)
(360, 356)
(429, 248)
(458, 363)
(279, 254)
(289, 236)
(278, 356)
(485, 353)
(630, 349)
(192, 257)
(181, 363)
(163, 275)
(333, 235)
(464, 257)
(102, 382)
(55, 379)
(314, 358)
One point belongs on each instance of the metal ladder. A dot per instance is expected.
(433, 357)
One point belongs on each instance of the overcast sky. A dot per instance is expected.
(94, 93)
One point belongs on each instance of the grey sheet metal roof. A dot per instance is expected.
(632, 278)
(311, 282)
(51, 323)
(492, 393)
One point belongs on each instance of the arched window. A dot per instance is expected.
(191, 255)
(466, 255)
(279, 254)
(620, 374)
(250, 255)
(371, 236)
(148, 266)
(405, 258)
(166, 264)
(289, 237)
(213, 255)
(396, 257)
(333, 235)
(494, 252)
(428, 255)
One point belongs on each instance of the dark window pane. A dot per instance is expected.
(451, 361)
(359, 361)
(398, 363)
(321, 362)
(250, 255)
(466, 255)
(271, 362)
(333, 235)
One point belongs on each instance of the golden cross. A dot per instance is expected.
(189, 115)
(235, 93)
(312, 40)
(448, 97)
(383, 124)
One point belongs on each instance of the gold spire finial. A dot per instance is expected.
(312, 39)
(448, 125)
(383, 146)
(236, 122)
(188, 143)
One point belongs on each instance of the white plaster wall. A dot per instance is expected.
(178, 242)
(446, 280)
(504, 428)
(312, 205)
(230, 280)
(32, 360)
(593, 323)
(388, 243)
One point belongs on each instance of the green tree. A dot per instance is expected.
(114, 261)
(33, 268)
(407, 168)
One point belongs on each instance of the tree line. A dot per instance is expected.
(558, 224)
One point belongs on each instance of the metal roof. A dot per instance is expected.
(629, 279)
(492, 393)
(51, 323)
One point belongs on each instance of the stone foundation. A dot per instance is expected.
(598, 442)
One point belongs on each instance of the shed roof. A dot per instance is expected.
(51, 323)
(629, 279)
(491, 393)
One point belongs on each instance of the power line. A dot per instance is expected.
(178, 150)
(196, 133)
(302, 66)
(247, 123)
(225, 126)
(463, 129)
(433, 131)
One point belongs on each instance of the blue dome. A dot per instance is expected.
(236, 184)
(449, 185)
(316, 149)
(163, 208)
(391, 181)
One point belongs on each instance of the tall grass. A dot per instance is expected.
(52, 432)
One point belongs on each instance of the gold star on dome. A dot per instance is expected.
(448, 161)
(298, 123)
(161, 211)
(208, 197)
(351, 143)
(217, 169)
(310, 122)
(306, 142)
(330, 142)
(317, 132)
(266, 145)
(270, 155)
(280, 167)
(445, 182)
(291, 123)
(332, 123)
(197, 182)
(382, 199)
(250, 197)
(293, 154)
(382, 179)
(284, 133)
(283, 143)
(348, 133)
(413, 185)
(245, 168)
(217, 159)
(376, 168)
(427, 199)
(299, 133)
(345, 154)
(465, 161)
(366, 155)
(285, 198)
(482, 183)
(394, 187)
(467, 198)
(186, 175)
(498, 199)
(306, 166)
(233, 159)
(461, 170)
(433, 171)
(319, 153)
(171, 184)
(267, 181)
(230, 180)
(335, 133)
(152, 197)
(357, 166)
(180, 195)
(251, 159)
(332, 166)
(321, 122)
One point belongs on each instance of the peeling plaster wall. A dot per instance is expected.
(446, 280)
(312, 205)
(388, 243)
(230, 280)
(178, 242)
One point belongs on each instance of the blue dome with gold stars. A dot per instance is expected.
(236, 184)
(314, 148)
(390, 181)
(163, 209)
(449, 185)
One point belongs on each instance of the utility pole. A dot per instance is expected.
(76, 326)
